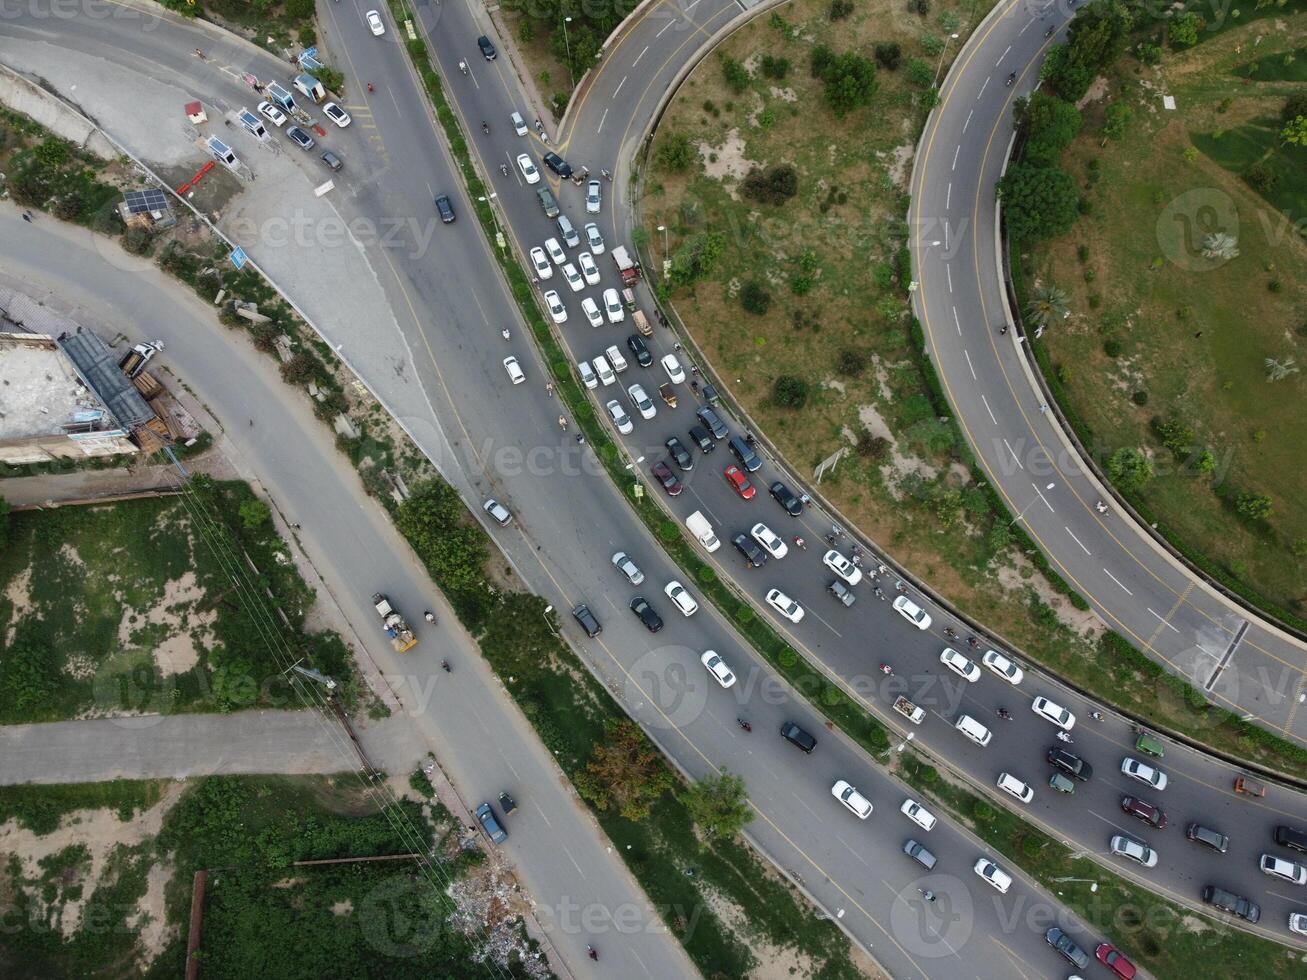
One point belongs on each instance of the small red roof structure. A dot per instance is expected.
(195, 113)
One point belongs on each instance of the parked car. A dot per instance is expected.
(375, 24)
(768, 538)
(593, 238)
(333, 162)
(497, 511)
(490, 824)
(336, 114)
(712, 422)
(739, 482)
(681, 598)
(1230, 902)
(640, 350)
(445, 209)
(487, 48)
(558, 165)
(572, 277)
(1070, 763)
(1014, 787)
(591, 310)
(582, 614)
(518, 123)
(271, 113)
(842, 593)
(620, 419)
(918, 853)
(675, 373)
(588, 268)
(529, 171)
(300, 138)
(556, 308)
(700, 437)
(857, 804)
(624, 564)
(912, 612)
(1065, 945)
(716, 666)
(588, 377)
(1115, 960)
(787, 498)
(604, 371)
(1285, 870)
(540, 263)
(613, 306)
(796, 736)
(594, 197)
(646, 614)
(842, 567)
(642, 402)
(992, 874)
(680, 455)
(1135, 850)
(556, 252)
(664, 475)
(918, 814)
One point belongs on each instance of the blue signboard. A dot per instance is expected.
(238, 257)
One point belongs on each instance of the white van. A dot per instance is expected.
(616, 359)
(702, 531)
(973, 730)
(587, 375)
(603, 370)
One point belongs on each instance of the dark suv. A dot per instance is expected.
(586, 618)
(640, 349)
(1065, 945)
(784, 496)
(1230, 902)
(1291, 837)
(648, 615)
(712, 422)
(748, 547)
(487, 48)
(796, 736)
(699, 436)
(558, 165)
(1070, 763)
(1214, 839)
(744, 453)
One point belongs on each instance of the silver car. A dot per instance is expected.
(622, 562)
(593, 197)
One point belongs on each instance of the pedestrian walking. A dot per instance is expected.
(27, 217)
(1043, 409)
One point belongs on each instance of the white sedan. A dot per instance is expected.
(573, 278)
(515, 372)
(374, 22)
(556, 308)
(770, 540)
(1143, 772)
(556, 252)
(591, 310)
(858, 804)
(842, 567)
(1053, 712)
(613, 306)
(620, 418)
(594, 197)
(529, 172)
(960, 665)
(540, 262)
(918, 814)
(588, 268)
(594, 239)
(1128, 847)
(717, 667)
(336, 114)
(1003, 667)
(912, 612)
(681, 598)
(784, 605)
(271, 113)
(643, 403)
(675, 373)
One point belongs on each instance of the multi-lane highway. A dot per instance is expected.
(500, 439)
(1240, 661)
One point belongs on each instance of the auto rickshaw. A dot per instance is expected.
(668, 393)
(1248, 786)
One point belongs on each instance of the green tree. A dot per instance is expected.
(736, 75)
(755, 298)
(1038, 202)
(1254, 506)
(1049, 124)
(1294, 106)
(789, 391)
(254, 514)
(1095, 38)
(626, 773)
(437, 525)
(1295, 132)
(696, 257)
(849, 82)
(1115, 121)
(718, 805)
(1185, 28)
(1129, 468)
(888, 55)
(676, 151)
(1047, 306)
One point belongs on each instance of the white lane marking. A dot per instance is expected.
(957, 321)
(988, 409)
(1024, 29)
(946, 228)
(619, 85)
(956, 151)
(430, 192)
(670, 23)
(1075, 539)
(1117, 581)
(970, 367)
(983, 86)
(1044, 499)
(949, 272)
(968, 120)
(542, 813)
(948, 195)
(641, 54)
(1005, 53)
(1161, 620)
(1015, 458)
(691, 6)
(826, 624)
(600, 127)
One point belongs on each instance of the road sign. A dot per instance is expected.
(238, 257)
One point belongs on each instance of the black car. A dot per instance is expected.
(664, 475)
(796, 736)
(699, 436)
(639, 349)
(680, 455)
(786, 498)
(487, 48)
(1065, 945)
(558, 165)
(748, 547)
(587, 620)
(652, 621)
(1230, 902)
(1070, 763)
(302, 139)
(445, 208)
(712, 422)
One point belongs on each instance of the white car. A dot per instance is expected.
(497, 511)
(556, 252)
(784, 605)
(675, 373)
(588, 268)
(593, 238)
(556, 308)
(602, 369)
(519, 124)
(1298, 923)
(623, 563)
(336, 114)
(1128, 847)
(1053, 712)
(1144, 773)
(993, 874)
(1003, 667)
(540, 263)
(613, 306)
(918, 814)
(858, 804)
(1014, 787)
(620, 418)
(717, 667)
(681, 598)
(515, 372)
(643, 403)
(529, 172)
(594, 197)
(271, 113)
(770, 541)
(615, 358)
(912, 612)
(960, 665)
(591, 310)
(588, 377)
(374, 22)
(842, 567)
(573, 277)
(1277, 867)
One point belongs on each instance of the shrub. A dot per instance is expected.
(735, 74)
(774, 67)
(888, 55)
(1294, 106)
(1175, 434)
(676, 152)
(776, 185)
(1112, 348)
(790, 392)
(920, 6)
(1129, 468)
(300, 369)
(802, 284)
(788, 658)
(1261, 177)
(821, 58)
(932, 44)
(919, 73)
(1254, 506)
(755, 298)
(1140, 397)
(851, 362)
(849, 82)
(839, 9)
(874, 448)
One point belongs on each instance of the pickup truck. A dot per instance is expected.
(909, 710)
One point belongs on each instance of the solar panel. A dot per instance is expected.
(142, 202)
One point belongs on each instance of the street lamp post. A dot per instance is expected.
(951, 37)
(490, 202)
(567, 45)
(667, 259)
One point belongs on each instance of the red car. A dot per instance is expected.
(663, 473)
(1113, 959)
(736, 478)
(1149, 814)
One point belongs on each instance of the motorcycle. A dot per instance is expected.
(950, 632)
(429, 616)
(1011, 78)
(462, 66)
(886, 669)
(744, 724)
(592, 953)
(1049, 32)
(880, 594)
(485, 127)
(1005, 714)
(973, 643)
(444, 665)
(504, 333)
(503, 169)
(800, 543)
(1064, 737)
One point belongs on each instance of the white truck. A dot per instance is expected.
(702, 531)
(909, 710)
(400, 633)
